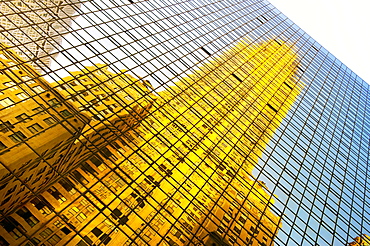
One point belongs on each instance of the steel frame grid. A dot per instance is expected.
(201, 59)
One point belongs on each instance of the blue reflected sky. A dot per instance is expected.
(317, 162)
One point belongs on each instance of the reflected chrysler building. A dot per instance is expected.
(34, 29)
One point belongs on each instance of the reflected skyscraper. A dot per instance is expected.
(34, 29)
(192, 123)
(191, 137)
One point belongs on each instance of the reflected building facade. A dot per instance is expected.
(35, 29)
(246, 135)
(197, 187)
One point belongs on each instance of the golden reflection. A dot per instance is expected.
(363, 240)
(133, 167)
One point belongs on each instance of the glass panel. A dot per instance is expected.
(176, 123)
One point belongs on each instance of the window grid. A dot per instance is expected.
(177, 123)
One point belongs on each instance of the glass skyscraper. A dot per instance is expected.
(177, 123)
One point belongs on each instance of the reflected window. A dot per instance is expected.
(56, 194)
(53, 240)
(42, 205)
(3, 242)
(38, 89)
(97, 232)
(35, 128)
(66, 230)
(28, 216)
(54, 103)
(46, 233)
(76, 175)
(65, 114)
(68, 186)
(2, 146)
(39, 110)
(6, 126)
(17, 137)
(6, 102)
(50, 121)
(12, 226)
(23, 118)
(81, 217)
(22, 96)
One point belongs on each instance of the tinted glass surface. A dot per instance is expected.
(177, 123)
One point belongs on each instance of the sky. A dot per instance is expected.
(341, 26)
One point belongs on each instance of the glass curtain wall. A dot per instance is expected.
(176, 123)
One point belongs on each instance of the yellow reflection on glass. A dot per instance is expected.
(121, 164)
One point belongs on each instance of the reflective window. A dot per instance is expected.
(176, 123)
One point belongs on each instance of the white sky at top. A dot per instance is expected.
(341, 26)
